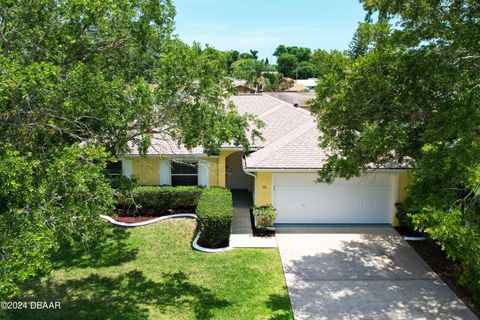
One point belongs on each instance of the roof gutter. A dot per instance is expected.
(151, 155)
(252, 148)
(281, 169)
(257, 169)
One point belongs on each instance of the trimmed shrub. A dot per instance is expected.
(166, 197)
(265, 216)
(460, 241)
(215, 213)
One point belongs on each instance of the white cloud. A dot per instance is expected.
(265, 40)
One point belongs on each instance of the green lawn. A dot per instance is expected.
(152, 273)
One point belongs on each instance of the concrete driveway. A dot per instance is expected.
(361, 273)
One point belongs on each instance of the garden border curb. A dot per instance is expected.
(195, 244)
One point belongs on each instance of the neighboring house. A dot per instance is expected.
(296, 87)
(308, 84)
(297, 99)
(281, 170)
(242, 87)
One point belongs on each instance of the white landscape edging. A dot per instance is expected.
(195, 244)
(408, 238)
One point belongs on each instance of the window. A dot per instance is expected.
(184, 173)
(114, 168)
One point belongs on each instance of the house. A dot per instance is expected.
(242, 87)
(308, 84)
(296, 87)
(280, 170)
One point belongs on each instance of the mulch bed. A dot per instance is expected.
(259, 232)
(131, 212)
(132, 219)
(436, 258)
(130, 215)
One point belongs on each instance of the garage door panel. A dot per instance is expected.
(289, 201)
(298, 198)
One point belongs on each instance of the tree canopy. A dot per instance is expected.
(79, 80)
(294, 62)
(287, 65)
(411, 97)
(326, 62)
(253, 71)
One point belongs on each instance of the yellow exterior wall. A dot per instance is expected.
(264, 188)
(395, 221)
(222, 164)
(400, 192)
(146, 170)
(212, 171)
(403, 183)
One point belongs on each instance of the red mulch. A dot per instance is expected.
(130, 215)
(131, 212)
(132, 219)
(436, 258)
(259, 232)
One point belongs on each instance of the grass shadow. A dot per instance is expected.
(110, 252)
(125, 296)
(280, 306)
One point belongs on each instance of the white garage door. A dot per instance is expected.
(298, 198)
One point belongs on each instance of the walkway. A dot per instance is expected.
(242, 236)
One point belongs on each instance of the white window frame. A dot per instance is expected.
(203, 173)
(127, 168)
(194, 161)
(165, 172)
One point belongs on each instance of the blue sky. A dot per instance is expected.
(264, 24)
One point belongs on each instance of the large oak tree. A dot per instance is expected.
(412, 96)
(78, 81)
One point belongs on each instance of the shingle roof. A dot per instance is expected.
(281, 120)
(294, 98)
(279, 117)
(291, 137)
(296, 150)
(165, 145)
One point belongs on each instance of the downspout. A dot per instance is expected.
(254, 180)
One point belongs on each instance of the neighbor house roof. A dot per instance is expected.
(311, 82)
(299, 99)
(237, 82)
(296, 87)
(242, 86)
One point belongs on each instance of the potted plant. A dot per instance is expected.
(264, 217)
